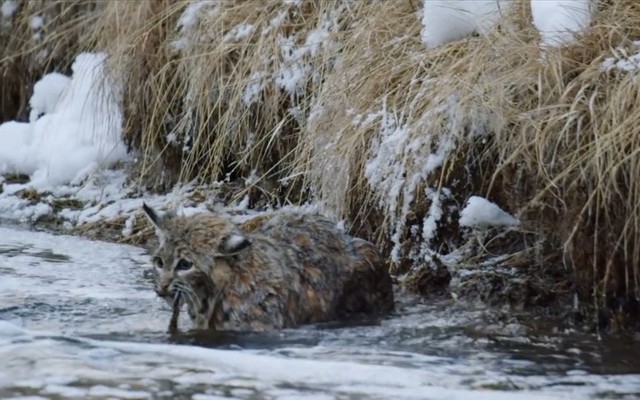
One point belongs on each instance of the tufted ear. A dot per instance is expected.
(233, 244)
(157, 220)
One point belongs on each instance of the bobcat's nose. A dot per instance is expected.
(162, 290)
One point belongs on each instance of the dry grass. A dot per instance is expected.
(381, 129)
(29, 48)
(549, 135)
(208, 98)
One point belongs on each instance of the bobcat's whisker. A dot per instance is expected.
(191, 297)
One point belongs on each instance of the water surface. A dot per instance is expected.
(79, 319)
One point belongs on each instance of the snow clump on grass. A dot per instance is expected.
(447, 20)
(74, 128)
(559, 21)
(481, 213)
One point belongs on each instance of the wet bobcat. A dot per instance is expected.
(294, 269)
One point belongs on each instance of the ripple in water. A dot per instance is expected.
(78, 319)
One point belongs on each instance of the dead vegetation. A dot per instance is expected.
(340, 102)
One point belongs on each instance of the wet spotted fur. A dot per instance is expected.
(294, 269)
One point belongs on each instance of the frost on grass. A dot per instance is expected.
(481, 213)
(402, 161)
(8, 8)
(74, 128)
(623, 61)
(187, 25)
(239, 32)
(444, 21)
(558, 21)
(297, 59)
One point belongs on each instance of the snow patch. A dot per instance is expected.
(187, 25)
(190, 15)
(430, 224)
(79, 131)
(559, 20)
(297, 59)
(275, 23)
(251, 92)
(481, 213)
(36, 22)
(46, 94)
(239, 32)
(444, 21)
(624, 62)
(8, 8)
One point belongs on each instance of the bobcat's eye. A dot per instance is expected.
(157, 261)
(183, 265)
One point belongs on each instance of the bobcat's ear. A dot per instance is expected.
(233, 244)
(156, 220)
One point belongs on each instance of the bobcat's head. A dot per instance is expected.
(191, 259)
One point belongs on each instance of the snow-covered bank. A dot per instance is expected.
(104, 197)
(75, 128)
(68, 165)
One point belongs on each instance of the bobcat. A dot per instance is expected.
(293, 269)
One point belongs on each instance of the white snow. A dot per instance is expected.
(481, 213)
(622, 61)
(251, 92)
(46, 94)
(190, 19)
(559, 20)
(316, 38)
(292, 78)
(275, 23)
(190, 15)
(239, 32)
(79, 131)
(172, 138)
(430, 223)
(297, 60)
(8, 8)
(444, 21)
(36, 22)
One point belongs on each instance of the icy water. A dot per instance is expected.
(78, 319)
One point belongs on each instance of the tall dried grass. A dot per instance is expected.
(340, 101)
(217, 89)
(39, 37)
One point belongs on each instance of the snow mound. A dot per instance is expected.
(481, 213)
(8, 8)
(46, 94)
(444, 21)
(75, 127)
(559, 20)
